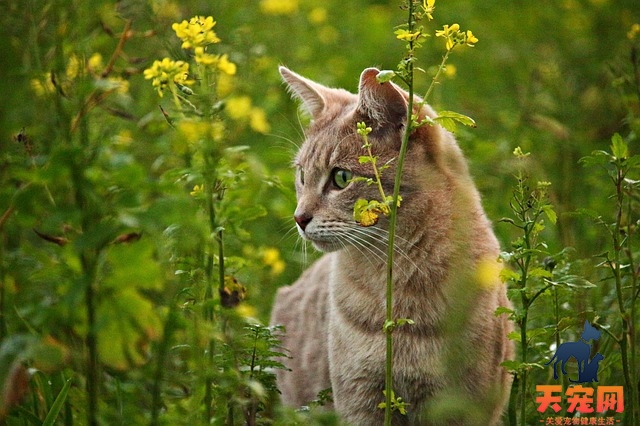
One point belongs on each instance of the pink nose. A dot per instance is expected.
(302, 220)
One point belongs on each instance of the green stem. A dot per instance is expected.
(617, 273)
(163, 349)
(435, 78)
(523, 349)
(376, 173)
(89, 262)
(633, 373)
(392, 231)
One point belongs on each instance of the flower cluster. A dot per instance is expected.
(165, 71)
(455, 37)
(197, 34)
(240, 108)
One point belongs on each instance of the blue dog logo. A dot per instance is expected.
(581, 351)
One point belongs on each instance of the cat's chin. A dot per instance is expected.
(326, 246)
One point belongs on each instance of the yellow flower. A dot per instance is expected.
(429, 7)
(163, 72)
(165, 9)
(197, 190)
(197, 32)
(455, 37)
(124, 138)
(246, 311)
(318, 15)
(192, 131)
(470, 39)
(94, 64)
(488, 273)
(205, 58)
(43, 86)
(447, 30)
(368, 218)
(238, 107)
(73, 67)
(226, 66)
(450, 71)
(406, 35)
(450, 33)
(225, 86)
(217, 130)
(271, 257)
(278, 7)
(258, 120)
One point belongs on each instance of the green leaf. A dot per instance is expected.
(57, 404)
(550, 213)
(503, 310)
(619, 147)
(509, 275)
(385, 76)
(511, 365)
(539, 272)
(573, 281)
(388, 326)
(597, 158)
(128, 322)
(445, 118)
(515, 336)
(404, 321)
(364, 159)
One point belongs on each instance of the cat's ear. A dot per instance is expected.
(309, 92)
(381, 103)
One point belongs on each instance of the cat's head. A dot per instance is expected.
(329, 159)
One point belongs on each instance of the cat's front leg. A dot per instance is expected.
(356, 364)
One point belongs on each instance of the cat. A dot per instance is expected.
(590, 371)
(447, 364)
(580, 350)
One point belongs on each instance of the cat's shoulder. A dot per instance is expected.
(308, 293)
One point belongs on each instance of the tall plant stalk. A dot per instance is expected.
(389, 319)
(413, 35)
(621, 240)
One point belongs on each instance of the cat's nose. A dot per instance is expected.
(302, 220)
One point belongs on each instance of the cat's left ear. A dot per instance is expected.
(308, 91)
(380, 103)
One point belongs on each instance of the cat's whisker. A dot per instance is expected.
(361, 245)
(399, 242)
(380, 252)
(383, 239)
(291, 146)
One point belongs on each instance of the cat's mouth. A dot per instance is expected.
(321, 243)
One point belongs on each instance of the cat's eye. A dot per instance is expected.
(341, 178)
(301, 173)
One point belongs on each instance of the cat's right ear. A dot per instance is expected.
(309, 92)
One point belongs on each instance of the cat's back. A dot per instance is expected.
(302, 309)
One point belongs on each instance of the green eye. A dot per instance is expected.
(342, 178)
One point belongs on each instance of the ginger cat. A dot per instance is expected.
(447, 364)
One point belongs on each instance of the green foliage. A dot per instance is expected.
(397, 404)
